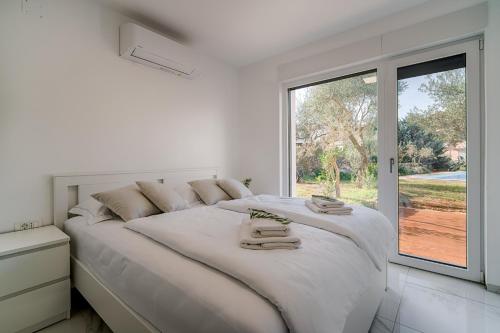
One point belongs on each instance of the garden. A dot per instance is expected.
(336, 142)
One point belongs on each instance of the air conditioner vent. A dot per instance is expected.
(151, 49)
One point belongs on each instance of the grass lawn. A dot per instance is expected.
(417, 193)
(349, 193)
(434, 194)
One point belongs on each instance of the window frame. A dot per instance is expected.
(286, 139)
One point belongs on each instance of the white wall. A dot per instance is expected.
(259, 100)
(492, 123)
(68, 103)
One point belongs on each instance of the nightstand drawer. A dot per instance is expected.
(19, 272)
(27, 310)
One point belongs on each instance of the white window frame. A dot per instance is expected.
(473, 74)
(287, 151)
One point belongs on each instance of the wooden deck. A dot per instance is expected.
(435, 235)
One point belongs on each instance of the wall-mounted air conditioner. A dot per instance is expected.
(151, 49)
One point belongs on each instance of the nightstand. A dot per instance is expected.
(34, 279)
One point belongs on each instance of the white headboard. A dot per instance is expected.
(70, 189)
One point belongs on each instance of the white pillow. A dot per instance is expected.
(128, 202)
(92, 210)
(163, 196)
(208, 191)
(234, 188)
(187, 193)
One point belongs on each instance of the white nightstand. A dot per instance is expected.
(34, 279)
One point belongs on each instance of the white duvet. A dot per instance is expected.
(366, 227)
(314, 287)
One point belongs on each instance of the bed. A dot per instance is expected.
(118, 272)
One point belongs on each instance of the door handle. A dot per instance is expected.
(391, 164)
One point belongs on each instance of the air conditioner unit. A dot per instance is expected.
(151, 49)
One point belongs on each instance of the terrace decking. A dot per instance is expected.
(434, 235)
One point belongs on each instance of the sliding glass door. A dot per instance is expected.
(433, 100)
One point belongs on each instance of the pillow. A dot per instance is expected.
(127, 202)
(163, 196)
(208, 191)
(93, 211)
(187, 193)
(234, 188)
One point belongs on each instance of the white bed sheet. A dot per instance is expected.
(172, 292)
(315, 287)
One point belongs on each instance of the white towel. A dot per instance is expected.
(345, 210)
(260, 227)
(325, 202)
(290, 242)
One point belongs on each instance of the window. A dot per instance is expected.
(333, 139)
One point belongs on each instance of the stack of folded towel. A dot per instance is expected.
(327, 205)
(267, 231)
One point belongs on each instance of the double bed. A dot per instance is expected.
(137, 284)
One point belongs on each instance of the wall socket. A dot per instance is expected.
(27, 225)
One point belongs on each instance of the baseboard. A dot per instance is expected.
(493, 288)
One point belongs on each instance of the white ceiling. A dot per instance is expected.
(244, 31)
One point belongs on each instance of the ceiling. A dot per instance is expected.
(240, 32)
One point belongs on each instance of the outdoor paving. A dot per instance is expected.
(434, 235)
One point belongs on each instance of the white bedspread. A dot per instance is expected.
(174, 293)
(314, 287)
(368, 228)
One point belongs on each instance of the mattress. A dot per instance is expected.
(166, 288)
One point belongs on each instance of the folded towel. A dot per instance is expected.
(326, 202)
(345, 210)
(261, 227)
(269, 243)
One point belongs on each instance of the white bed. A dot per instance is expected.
(145, 287)
(153, 280)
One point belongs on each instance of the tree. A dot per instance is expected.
(447, 116)
(420, 148)
(329, 161)
(340, 114)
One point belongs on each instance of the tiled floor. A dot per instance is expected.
(416, 301)
(419, 301)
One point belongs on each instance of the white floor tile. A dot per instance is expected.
(381, 325)
(388, 309)
(480, 294)
(396, 279)
(397, 276)
(400, 328)
(474, 291)
(432, 311)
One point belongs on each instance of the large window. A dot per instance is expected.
(333, 127)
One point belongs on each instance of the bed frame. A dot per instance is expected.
(70, 189)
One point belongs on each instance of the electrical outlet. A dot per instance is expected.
(22, 226)
(30, 224)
